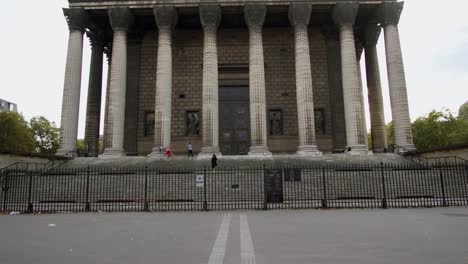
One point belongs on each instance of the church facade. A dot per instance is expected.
(234, 78)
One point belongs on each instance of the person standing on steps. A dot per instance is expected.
(213, 161)
(189, 149)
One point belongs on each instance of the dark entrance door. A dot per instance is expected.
(234, 120)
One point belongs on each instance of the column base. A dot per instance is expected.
(207, 152)
(66, 152)
(259, 151)
(405, 148)
(110, 153)
(308, 150)
(157, 153)
(357, 150)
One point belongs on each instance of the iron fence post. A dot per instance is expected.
(5, 190)
(324, 186)
(87, 205)
(145, 205)
(30, 205)
(205, 203)
(442, 185)
(265, 195)
(384, 189)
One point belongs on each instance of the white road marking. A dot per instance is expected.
(247, 248)
(219, 247)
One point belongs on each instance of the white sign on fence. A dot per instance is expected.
(200, 181)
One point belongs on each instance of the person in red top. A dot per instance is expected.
(168, 153)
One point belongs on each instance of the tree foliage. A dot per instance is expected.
(15, 135)
(46, 135)
(438, 129)
(463, 111)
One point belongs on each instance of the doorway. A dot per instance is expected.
(234, 120)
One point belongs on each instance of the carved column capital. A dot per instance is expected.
(345, 13)
(371, 34)
(77, 18)
(254, 15)
(121, 18)
(389, 12)
(299, 13)
(210, 16)
(97, 37)
(166, 16)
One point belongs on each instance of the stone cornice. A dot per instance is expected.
(345, 13)
(77, 18)
(389, 13)
(254, 15)
(121, 18)
(210, 15)
(166, 16)
(299, 13)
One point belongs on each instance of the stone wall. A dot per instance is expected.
(8, 159)
(233, 49)
(458, 151)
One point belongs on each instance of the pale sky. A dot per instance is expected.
(34, 37)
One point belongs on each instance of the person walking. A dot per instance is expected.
(213, 161)
(189, 149)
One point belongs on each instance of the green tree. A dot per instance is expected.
(15, 135)
(463, 111)
(46, 135)
(80, 147)
(438, 129)
(390, 137)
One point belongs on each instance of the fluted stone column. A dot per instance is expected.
(389, 14)
(210, 16)
(107, 139)
(166, 19)
(255, 16)
(336, 88)
(76, 19)
(359, 51)
(344, 15)
(299, 15)
(93, 108)
(374, 88)
(121, 20)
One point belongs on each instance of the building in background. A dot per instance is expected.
(235, 78)
(8, 106)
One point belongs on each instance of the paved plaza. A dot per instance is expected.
(438, 235)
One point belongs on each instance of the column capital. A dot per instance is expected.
(371, 34)
(299, 13)
(389, 12)
(77, 18)
(345, 13)
(97, 36)
(166, 16)
(121, 18)
(254, 15)
(210, 16)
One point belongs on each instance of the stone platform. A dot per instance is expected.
(235, 161)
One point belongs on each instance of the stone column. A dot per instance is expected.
(93, 108)
(255, 16)
(336, 88)
(374, 88)
(210, 16)
(121, 20)
(76, 19)
(166, 19)
(344, 15)
(389, 15)
(107, 140)
(359, 51)
(299, 15)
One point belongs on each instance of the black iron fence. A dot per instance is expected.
(155, 189)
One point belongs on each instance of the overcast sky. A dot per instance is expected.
(34, 37)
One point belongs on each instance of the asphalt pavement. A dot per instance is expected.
(424, 235)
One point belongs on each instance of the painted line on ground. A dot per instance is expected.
(247, 248)
(219, 247)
